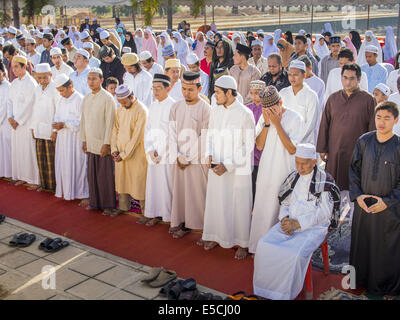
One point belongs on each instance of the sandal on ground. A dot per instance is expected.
(175, 290)
(2, 218)
(209, 245)
(143, 220)
(164, 277)
(153, 274)
(180, 233)
(56, 245)
(189, 295)
(236, 296)
(153, 222)
(175, 229)
(45, 243)
(22, 240)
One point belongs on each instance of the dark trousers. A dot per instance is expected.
(254, 180)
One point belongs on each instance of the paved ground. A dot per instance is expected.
(81, 272)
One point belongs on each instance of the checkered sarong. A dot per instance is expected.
(45, 152)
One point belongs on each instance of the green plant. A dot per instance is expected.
(33, 7)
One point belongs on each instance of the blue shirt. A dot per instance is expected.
(375, 74)
(81, 81)
(45, 58)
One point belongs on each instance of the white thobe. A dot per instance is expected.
(5, 130)
(275, 165)
(80, 81)
(158, 181)
(140, 85)
(43, 111)
(70, 161)
(230, 140)
(204, 80)
(392, 80)
(40, 49)
(34, 59)
(176, 91)
(64, 69)
(316, 84)
(395, 97)
(334, 82)
(23, 147)
(155, 68)
(281, 261)
(305, 103)
(262, 64)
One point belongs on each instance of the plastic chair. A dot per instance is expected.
(308, 285)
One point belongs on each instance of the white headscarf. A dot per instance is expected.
(374, 41)
(269, 48)
(323, 50)
(138, 41)
(242, 40)
(181, 48)
(277, 35)
(168, 41)
(390, 47)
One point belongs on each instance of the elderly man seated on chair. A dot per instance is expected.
(308, 197)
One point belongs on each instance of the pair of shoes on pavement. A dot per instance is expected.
(22, 240)
(159, 277)
(53, 245)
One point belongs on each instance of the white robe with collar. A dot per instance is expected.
(23, 146)
(158, 181)
(176, 91)
(5, 130)
(230, 140)
(140, 85)
(281, 261)
(70, 161)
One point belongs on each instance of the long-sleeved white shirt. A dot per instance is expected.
(140, 85)
(64, 69)
(5, 102)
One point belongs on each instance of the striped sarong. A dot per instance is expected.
(45, 152)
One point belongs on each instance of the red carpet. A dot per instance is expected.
(123, 237)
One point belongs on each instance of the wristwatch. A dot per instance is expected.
(266, 125)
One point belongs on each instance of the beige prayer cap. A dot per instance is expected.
(129, 59)
(20, 59)
(172, 63)
(257, 84)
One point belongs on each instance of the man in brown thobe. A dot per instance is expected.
(188, 124)
(348, 114)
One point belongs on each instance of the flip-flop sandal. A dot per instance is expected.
(189, 295)
(26, 240)
(45, 243)
(180, 233)
(164, 290)
(153, 222)
(2, 218)
(56, 245)
(189, 284)
(143, 220)
(153, 274)
(14, 241)
(164, 277)
(205, 296)
(175, 229)
(175, 290)
(236, 296)
(209, 247)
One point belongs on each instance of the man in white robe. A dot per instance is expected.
(5, 128)
(46, 98)
(70, 160)
(23, 150)
(283, 254)
(278, 132)
(158, 181)
(60, 67)
(230, 142)
(301, 98)
(173, 69)
(193, 64)
(32, 55)
(150, 65)
(137, 79)
(375, 71)
(334, 82)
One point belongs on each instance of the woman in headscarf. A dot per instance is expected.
(77, 40)
(139, 40)
(221, 63)
(130, 42)
(181, 48)
(149, 44)
(269, 46)
(390, 47)
(277, 35)
(286, 50)
(235, 40)
(121, 36)
(59, 36)
(355, 39)
(370, 39)
(320, 46)
(199, 44)
(165, 40)
(289, 37)
(71, 32)
(349, 44)
(210, 35)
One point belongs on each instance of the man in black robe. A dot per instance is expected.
(375, 189)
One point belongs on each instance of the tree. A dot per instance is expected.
(101, 10)
(197, 7)
(32, 8)
(15, 9)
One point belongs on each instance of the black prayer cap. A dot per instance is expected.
(104, 51)
(159, 77)
(243, 49)
(49, 36)
(20, 37)
(334, 39)
(190, 76)
(210, 43)
(65, 40)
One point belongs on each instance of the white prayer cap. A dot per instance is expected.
(42, 68)
(12, 30)
(95, 70)
(256, 43)
(306, 151)
(60, 80)
(4, 30)
(192, 58)
(84, 53)
(145, 55)
(46, 30)
(226, 82)
(383, 88)
(39, 34)
(302, 32)
(123, 91)
(372, 49)
(297, 64)
(126, 50)
(84, 35)
(104, 34)
(31, 41)
(87, 45)
(55, 51)
(260, 31)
